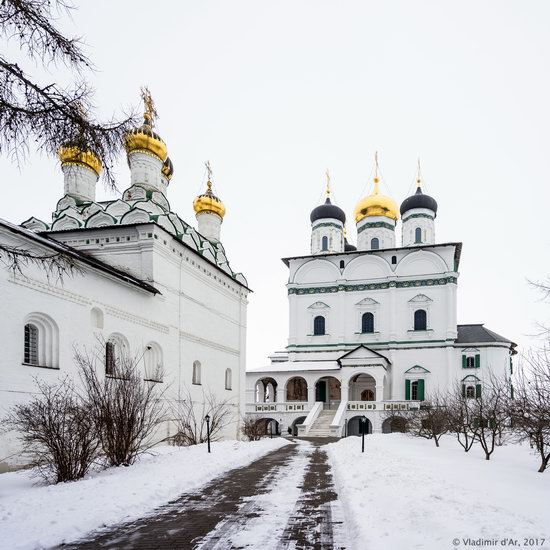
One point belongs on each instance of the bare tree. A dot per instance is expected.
(252, 428)
(531, 404)
(190, 417)
(460, 417)
(57, 431)
(491, 413)
(46, 114)
(126, 409)
(430, 421)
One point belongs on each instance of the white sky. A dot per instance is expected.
(273, 93)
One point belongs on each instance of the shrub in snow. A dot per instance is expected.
(125, 409)
(460, 417)
(252, 428)
(430, 421)
(190, 418)
(57, 430)
(531, 404)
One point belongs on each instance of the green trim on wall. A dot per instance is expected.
(328, 224)
(417, 216)
(369, 225)
(374, 286)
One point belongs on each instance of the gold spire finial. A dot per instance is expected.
(376, 178)
(419, 175)
(150, 113)
(327, 190)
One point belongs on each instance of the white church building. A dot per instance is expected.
(373, 329)
(147, 284)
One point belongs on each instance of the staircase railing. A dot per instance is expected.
(338, 420)
(303, 429)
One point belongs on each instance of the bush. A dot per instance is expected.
(58, 432)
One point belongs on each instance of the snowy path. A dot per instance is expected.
(284, 500)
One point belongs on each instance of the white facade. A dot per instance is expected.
(372, 331)
(146, 279)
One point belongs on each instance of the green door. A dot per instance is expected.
(321, 391)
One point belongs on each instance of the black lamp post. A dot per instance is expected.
(207, 418)
(364, 427)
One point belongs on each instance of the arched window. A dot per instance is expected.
(374, 244)
(367, 322)
(96, 317)
(342, 264)
(116, 353)
(418, 235)
(154, 367)
(196, 372)
(324, 244)
(228, 381)
(367, 395)
(41, 341)
(394, 260)
(31, 344)
(420, 319)
(319, 325)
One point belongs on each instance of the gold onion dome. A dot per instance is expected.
(208, 202)
(144, 139)
(168, 168)
(376, 205)
(72, 154)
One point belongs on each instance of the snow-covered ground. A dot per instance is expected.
(37, 516)
(406, 493)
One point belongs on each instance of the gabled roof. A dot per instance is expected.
(61, 248)
(476, 333)
(364, 347)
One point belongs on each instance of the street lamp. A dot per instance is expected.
(364, 427)
(207, 418)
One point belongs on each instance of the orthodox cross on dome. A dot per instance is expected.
(150, 114)
(418, 175)
(327, 190)
(376, 177)
(209, 172)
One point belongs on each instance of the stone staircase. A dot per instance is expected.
(321, 426)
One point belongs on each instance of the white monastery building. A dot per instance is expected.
(147, 284)
(373, 329)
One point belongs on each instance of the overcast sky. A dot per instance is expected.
(273, 93)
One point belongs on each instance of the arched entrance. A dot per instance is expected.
(265, 391)
(354, 426)
(294, 427)
(362, 387)
(269, 426)
(296, 389)
(394, 424)
(328, 390)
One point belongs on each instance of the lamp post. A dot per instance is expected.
(364, 427)
(207, 418)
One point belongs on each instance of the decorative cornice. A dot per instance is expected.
(417, 216)
(374, 286)
(370, 225)
(327, 224)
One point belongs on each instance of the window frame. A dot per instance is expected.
(32, 336)
(373, 241)
(324, 325)
(424, 324)
(365, 317)
(228, 379)
(196, 378)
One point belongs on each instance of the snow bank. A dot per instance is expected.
(406, 493)
(34, 516)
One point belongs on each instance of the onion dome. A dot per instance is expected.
(144, 139)
(327, 210)
(419, 200)
(208, 202)
(349, 247)
(72, 154)
(376, 204)
(168, 169)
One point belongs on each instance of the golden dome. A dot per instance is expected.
(168, 168)
(208, 202)
(143, 139)
(376, 205)
(71, 154)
